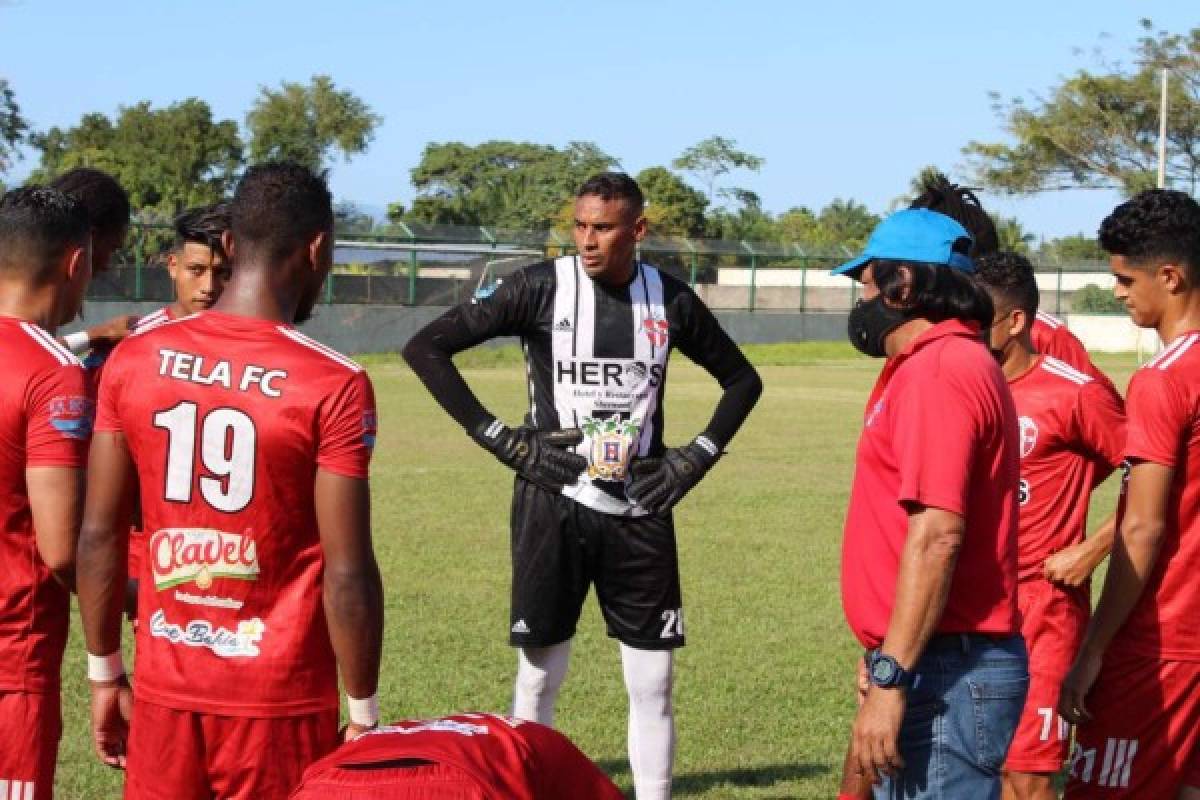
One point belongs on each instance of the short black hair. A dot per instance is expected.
(934, 292)
(614, 184)
(203, 225)
(278, 207)
(1154, 227)
(960, 204)
(106, 203)
(1010, 275)
(37, 225)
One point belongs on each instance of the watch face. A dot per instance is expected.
(883, 670)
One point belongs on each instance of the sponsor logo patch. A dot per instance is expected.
(201, 555)
(72, 416)
(1029, 435)
(220, 640)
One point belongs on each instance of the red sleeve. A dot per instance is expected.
(59, 414)
(1157, 418)
(108, 396)
(1100, 424)
(347, 429)
(934, 431)
(1065, 346)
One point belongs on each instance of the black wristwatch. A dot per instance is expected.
(885, 672)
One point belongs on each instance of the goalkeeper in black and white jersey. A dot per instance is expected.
(595, 483)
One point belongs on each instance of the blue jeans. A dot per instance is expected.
(961, 715)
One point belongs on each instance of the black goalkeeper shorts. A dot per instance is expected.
(560, 548)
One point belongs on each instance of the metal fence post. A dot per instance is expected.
(137, 263)
(412, 265)
(753, 275)
(1058, 294)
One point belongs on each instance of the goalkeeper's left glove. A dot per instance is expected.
(659, 483)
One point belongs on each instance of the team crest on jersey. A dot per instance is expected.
(1029, 435)
(612, 446)
(200, 555)
(435, 725)
(72, 416)
(656, 331)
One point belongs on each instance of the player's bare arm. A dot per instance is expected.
(922, 585)
(352, 589)
(108, 332)
(56, 503)
(1072, 566)
(1135, 552)
(101, 563)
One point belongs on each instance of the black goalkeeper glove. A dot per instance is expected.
(659, 483)
(543, 457)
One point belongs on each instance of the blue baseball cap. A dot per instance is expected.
(916, 235)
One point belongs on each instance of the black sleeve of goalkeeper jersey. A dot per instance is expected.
(702, 339)
(511, 310)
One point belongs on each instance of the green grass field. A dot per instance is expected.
(764, 688)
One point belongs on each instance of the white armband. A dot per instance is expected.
(105, 668)
(364, 712)
(77, 342)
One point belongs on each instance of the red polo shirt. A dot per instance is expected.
(940, 431)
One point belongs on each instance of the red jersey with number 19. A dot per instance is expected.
(228, 419)
(45, 421)
(1072, 437)
(1164, 428)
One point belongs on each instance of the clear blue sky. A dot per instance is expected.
(845, 99)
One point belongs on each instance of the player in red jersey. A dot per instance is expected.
(197, 264)
(1072, 435)
(107, 207)
(1132, 691)
(459, 757)
(250, 443)
(45, 422)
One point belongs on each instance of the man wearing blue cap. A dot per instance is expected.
(929, 567)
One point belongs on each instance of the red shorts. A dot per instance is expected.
(1053, 622)
(185, 755)
(1143, 739)
(419, 782)
(30, 727)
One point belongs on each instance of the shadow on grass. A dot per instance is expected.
(695, 783)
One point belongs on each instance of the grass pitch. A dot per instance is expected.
(763, 690)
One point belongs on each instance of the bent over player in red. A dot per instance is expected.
(250, 443)
(1132, 691)
(45, 422)
(460, 757)
(1072, 436)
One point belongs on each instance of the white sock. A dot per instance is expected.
(540, 673)
(651, 720)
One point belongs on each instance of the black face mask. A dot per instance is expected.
(870, 322)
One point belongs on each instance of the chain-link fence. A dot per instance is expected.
(445, 264)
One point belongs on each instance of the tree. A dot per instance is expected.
(13, 126)
(500, 183)
(714, 157)
(167, 159)
(1072, 250)
(1012, 236)
(307, 124)
(748, 222)
(349, 219)
(1100, 130)
(672, 207)
(842, 223)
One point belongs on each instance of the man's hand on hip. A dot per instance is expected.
(875, 737)
(659, 483)
(112, 708)
(543, 457)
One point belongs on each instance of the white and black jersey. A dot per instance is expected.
(596, 359)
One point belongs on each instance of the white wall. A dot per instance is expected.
(1112, 333)
(820, 278)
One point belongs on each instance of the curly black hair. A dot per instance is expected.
(278, 207)
(1155, 227)
(960, 204)
(203, 225)
(1010, 276)
(614, 184)
(107, 204)
(37, 225)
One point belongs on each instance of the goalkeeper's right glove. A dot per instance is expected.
(543, 457)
